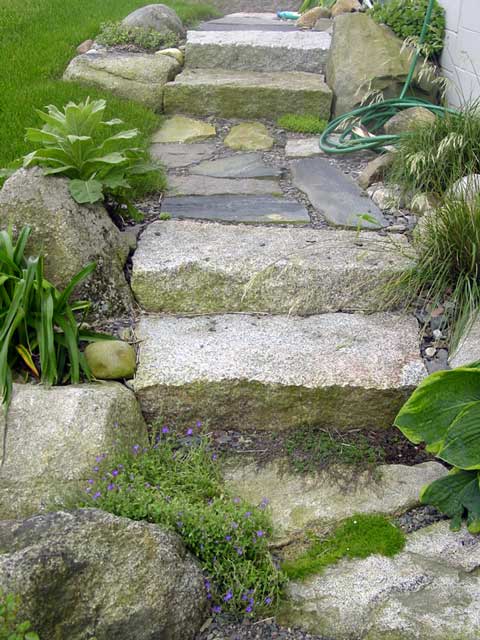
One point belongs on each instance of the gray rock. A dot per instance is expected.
(155, 16)
(303, 148)
(345, 6)
(387, 198)
(111, 359)
(429, 590)
(237, 209)
(278, 372)
(174, 155)
(249, 136)
(310, 17)
(185, 266)
(240, 165)
(52, 436)
(135, 76)
(86, 573)
(408, 120)
(375, 170)
(353, 67)
(467, 188)
(186, 130)
(299, 502)
(248, 22)
(258, 51)
(247, 94)
(468, 350)
(323, 24)
(334, 194)
(69, 236)
(203, 186)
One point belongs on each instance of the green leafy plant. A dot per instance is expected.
(444, 412)
(10, 627)
(302, 123)
(357, 537)
(74, 143)
(445, 266)
(433, 156)
(116, 33)
(38, 327)
(406, 17)
(176, 483)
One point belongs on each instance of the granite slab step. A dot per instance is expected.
(258, 50)
(203, 186)
(248, 22)
(193, 267)
(237, 208)
(240, 165)
(335, 194)
(247, 94)
(277, 372)
(177, 154)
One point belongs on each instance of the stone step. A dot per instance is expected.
(203, 186)
(187, 266)
(249, 22)
(249, 372)
(247, 94)
(237, 208)
(258, 50)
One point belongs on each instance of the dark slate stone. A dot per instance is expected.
(241, 165)
(334, 194)
(176, 154)
(266, 209)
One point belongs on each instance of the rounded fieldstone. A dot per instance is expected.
(155, 16)
(111, 359)
(182, 129)
(249, 136)
(408, 120)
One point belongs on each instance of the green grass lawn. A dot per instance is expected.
(37, 40)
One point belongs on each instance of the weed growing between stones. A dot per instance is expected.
(115, 33)
(10, 626)
(357, 537)
(302, 123)
(176, 483)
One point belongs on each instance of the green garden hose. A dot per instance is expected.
(340, 137)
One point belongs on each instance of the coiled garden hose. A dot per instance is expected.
(340, 136)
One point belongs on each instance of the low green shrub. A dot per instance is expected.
(38, 327)
(433, 156)
(406, 17)
(10, 627)
(116, 33)
(444, 412)
(302, 123)
(75, 143)
(176, 483)
(357, 537)
(445, 267)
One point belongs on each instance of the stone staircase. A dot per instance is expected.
(252, 66)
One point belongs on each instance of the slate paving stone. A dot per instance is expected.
(174, 155)
(241, 165)
(248, 209)
(334, 194)
(182, 129)
(303, 148)
(205, 186)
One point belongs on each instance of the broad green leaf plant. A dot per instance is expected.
(73, 143)
(444, 412)
(39, 330)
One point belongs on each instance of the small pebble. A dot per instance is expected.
(437, 334)
(430, 352)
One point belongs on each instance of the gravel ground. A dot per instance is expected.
(225, 629)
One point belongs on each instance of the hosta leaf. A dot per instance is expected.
(86, 191)
(446, 493)
(461, 447)
(436, 403)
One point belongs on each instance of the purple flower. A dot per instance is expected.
(199, 424)
(88, 489)
(264, 503)
(247, 514)
(244, 596)
(217, 609)
(96, 469)
(249, 609)
(96, 495)
(228, 538)
(115, 472)
(268, 601)
(208, 584)
(234, 525)
(165, 430)
(228, 596)
(214, 456)
(189, 432)
(136, 448)
(259, 534)
(90, 481)
(111, 487)
(236, 500)
(239, 550)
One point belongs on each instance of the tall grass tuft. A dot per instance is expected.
(432, 157)
(446, 270)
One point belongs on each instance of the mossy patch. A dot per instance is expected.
(357, 537)
(302, 123)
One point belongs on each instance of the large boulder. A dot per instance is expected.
(366, 56)
(133, 76)
(50, 438)
(69, 236)
(429, 591)
(88, 574)
(408, 120)
(158, 17)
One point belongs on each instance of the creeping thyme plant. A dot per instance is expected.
(175, 482)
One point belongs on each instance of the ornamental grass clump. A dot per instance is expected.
(176, 483)
(39, 329)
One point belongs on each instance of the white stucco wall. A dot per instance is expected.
(461, 56)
